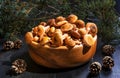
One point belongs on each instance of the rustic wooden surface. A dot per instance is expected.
(36, 71)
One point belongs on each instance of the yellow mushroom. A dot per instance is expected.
(72, 18)
(69, 41)
(80, 23)
(35, 38)
(66, 27)
(35, 30)
(58, 31)
(51, 22)
(82, 32)
(88, 40)
(60, 18)
(47, 28)
(75, 34)
(51, 31)
(91, 28)
(60, 23)
(43, 23)
(41, 32)
(44, 40)
(57, 39)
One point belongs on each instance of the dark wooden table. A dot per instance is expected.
(36, 71)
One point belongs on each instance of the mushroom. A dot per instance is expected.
(43, 23)
(91, 28)
(66, 27)
(72, 18)
(41, 32)
(60, 23)
(75, 34)
(51, 22)
(88, 40)
(60, 18)
(69, 41)
(57, 39)
(51, 31)
(44, 40)
(80, 23)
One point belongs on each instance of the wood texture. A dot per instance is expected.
(60, 57)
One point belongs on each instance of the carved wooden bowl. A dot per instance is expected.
(60, 57)
(63, 56)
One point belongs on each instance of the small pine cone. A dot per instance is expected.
(19, 66)
(95, 68)
(108, 62)
(108, 49)
(8, 45)
(18, 44)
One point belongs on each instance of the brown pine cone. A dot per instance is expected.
(95, 68)
(8, 45)
(108, 62)
(19, 66)
(108, 49)
(18, 44)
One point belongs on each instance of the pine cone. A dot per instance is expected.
(95, 68)
(108, 62)
(18, 44)
(108, 49)
(8, 45)
(19, 66)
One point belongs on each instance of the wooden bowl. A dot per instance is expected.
(59, 57)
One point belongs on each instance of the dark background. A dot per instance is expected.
(117, 7)
(36, 71)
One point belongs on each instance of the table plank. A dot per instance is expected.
(37, 71)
